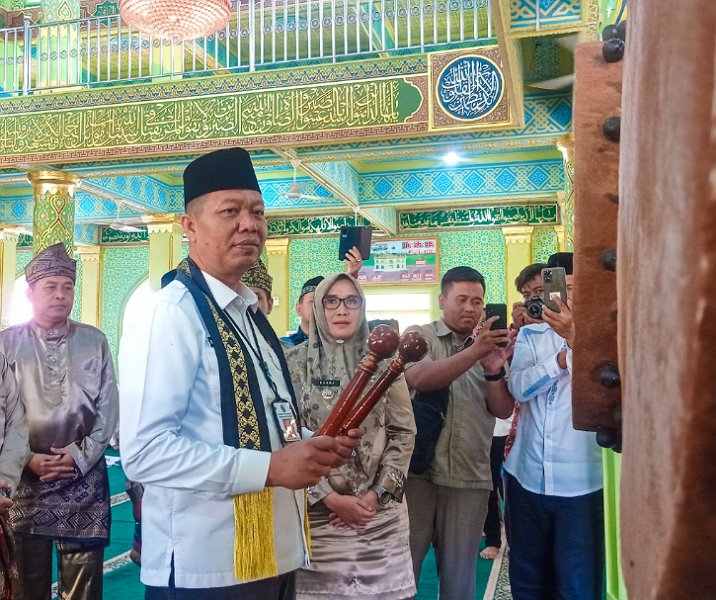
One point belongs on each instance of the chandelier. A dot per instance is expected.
(176, 19)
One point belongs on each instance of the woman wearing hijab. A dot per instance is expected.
(359, 521)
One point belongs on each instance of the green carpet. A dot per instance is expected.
(121, 580)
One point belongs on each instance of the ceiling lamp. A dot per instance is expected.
(176, 19)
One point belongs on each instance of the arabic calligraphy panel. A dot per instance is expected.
(468, 89)
(347, 106)
(481, 216)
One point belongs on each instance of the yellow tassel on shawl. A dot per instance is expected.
(306, 524)
(254, 548)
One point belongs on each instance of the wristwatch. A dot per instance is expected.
(384, 496)
(497, 376)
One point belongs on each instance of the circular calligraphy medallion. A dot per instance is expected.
(470, 87)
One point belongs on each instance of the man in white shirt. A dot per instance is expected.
(204, 388)
(554, 472)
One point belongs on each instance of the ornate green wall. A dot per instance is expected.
(484, 250)
(77, 307)
(124, 269)
(309, 257)
(23, 257)
(544, 243)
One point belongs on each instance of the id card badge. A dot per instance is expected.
(286, 421)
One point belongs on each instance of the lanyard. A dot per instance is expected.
(256, 351)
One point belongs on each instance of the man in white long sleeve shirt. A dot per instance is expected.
(554, 472)
(204, 388)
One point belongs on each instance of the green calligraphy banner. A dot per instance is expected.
(168, 125)
(311, 225)
(484, 216)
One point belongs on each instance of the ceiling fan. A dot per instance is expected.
(568, 42)
(117, 225)
(295, 191)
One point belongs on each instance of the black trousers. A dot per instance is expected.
(282, 587)
(556, 545)
(492, 529)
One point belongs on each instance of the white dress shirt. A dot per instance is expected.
(549, 456)
(172, 442)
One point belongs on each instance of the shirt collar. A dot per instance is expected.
(53, 333)
(442, 330)
(224, 295)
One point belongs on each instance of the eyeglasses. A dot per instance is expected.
(350, 302)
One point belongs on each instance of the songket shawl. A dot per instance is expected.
(244, 422)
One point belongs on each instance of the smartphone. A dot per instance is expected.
(500, 311)
(360, 237)
(554, 280)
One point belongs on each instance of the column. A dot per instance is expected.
(165, 235)
(277, 265)
(518, 249)
(8, 255)
(53, 216)
(91, 259)
(58, 46)
(562, 241)
(566, 146)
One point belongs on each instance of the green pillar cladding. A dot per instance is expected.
(566, 147)
(54, 211)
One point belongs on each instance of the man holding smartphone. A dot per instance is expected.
(448, 502)
(554, 472)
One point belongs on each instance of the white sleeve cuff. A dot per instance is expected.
(251, 471)
(551, 366)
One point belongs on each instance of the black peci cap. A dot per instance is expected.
(310, 286)
(228, 169)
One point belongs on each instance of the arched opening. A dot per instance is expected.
(20, 307)
(136, 304)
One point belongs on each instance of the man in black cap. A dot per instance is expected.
(204, 389)
(304, 308)
(554, 472)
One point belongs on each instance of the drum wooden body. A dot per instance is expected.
(666, 290)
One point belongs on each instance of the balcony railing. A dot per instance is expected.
(260, 34)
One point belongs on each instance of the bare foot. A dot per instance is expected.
(490, 553)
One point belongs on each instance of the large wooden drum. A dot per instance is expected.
(666, 292)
